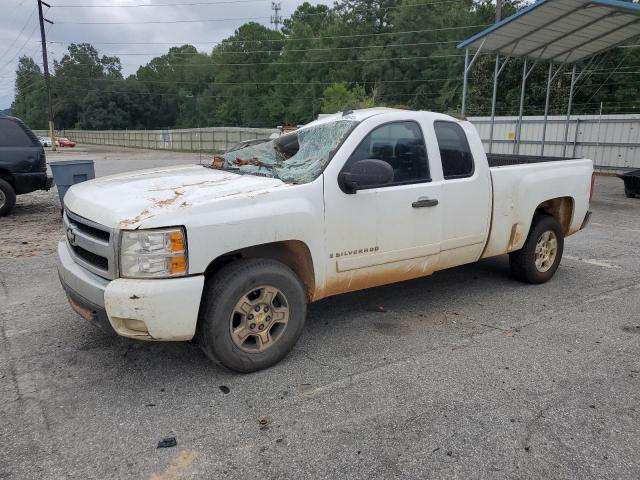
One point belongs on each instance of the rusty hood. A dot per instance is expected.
(126, 200)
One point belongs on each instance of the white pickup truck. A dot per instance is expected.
(231, 252)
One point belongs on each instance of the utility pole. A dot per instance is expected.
(276, 18)
(498, 10)
(45, 65)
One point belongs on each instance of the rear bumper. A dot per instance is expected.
(30, 182)
(163, 309)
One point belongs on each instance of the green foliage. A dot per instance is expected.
(31, 97)
(358, 53)
(338, 97)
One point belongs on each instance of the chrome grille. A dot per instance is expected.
(92, 245)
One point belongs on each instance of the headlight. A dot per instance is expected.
(153, 253)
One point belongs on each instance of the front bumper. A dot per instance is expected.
(163, 309)
(30, 182)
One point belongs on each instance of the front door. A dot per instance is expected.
(385, 233)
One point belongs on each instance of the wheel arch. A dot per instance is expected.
(293, 253)
(8, 177)
(560, 208)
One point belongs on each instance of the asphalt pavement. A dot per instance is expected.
(464, 374)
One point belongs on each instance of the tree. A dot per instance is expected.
(30, 102)
(353, 54)
(79, 73)
(338, 97)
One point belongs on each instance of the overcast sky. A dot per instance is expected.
(20, 34)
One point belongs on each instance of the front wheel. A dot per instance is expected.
(629, 192)
(253, 314)
(540, 256)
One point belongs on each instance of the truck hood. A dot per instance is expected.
(126, 200)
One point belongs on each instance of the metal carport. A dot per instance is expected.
(561, 32)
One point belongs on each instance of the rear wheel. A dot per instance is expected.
(7, 198)
(629, 192)
(540, 256)
(253, 314)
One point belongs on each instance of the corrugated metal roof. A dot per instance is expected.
(563, 31)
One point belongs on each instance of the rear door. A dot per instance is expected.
(466, 196)
(385, 233)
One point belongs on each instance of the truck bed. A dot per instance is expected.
(504, 159)
(521, 183)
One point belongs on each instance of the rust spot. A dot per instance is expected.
(561, 209)
(169, 201)
(196, 184)
(376, 276)
(516, 236)
(137, 219)
(83, 312)
(294, 254)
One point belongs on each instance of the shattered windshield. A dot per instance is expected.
(298, 157)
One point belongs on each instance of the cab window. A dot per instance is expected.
(455, 154)
(401, 145)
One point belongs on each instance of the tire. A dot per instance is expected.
(7, 198)
(524, 264)
(251, 282)
(629, 192)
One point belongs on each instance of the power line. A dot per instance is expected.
(186, 4)
(302, 62)
(158, 22)
(20, 49)
(609, 76)
(285, 39)
(207, 20)
(226, 2)
(291, 95)
(19, 34)
(287, 50)
(275, 83)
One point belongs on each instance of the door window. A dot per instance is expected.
(455, 154)
(401, 145)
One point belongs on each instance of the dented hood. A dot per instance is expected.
(126, 200)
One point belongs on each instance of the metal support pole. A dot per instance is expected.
(546, 109)
(45, 66)
(516, 145)
(464, 81)
(575, 138)
(467, 66)
(570, 103)
(496, 72)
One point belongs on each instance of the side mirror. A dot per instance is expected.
(365, 173)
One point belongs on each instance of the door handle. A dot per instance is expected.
(425, 202)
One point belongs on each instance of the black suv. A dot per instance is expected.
(23, 167)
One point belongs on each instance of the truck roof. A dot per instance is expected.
(363, 114)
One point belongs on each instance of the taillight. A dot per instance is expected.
(593, 186)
